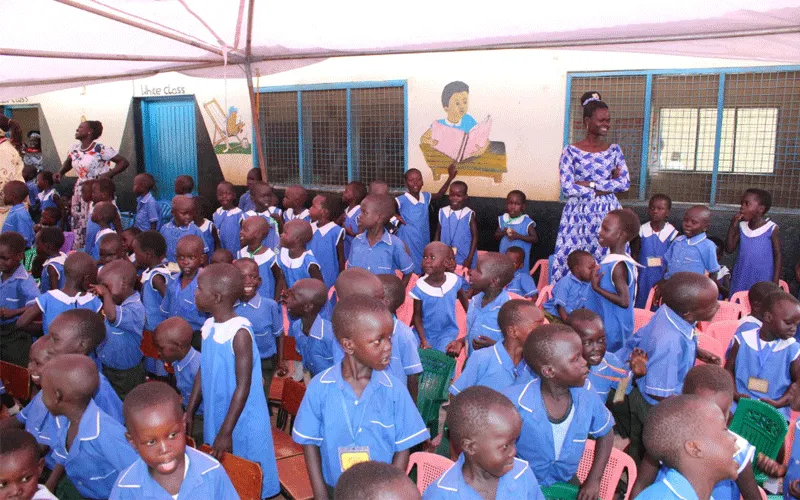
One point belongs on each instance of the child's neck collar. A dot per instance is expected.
(223, 312)
(296, 251)
(476, 477)
(490, 294)
(554, 389)
(696, 476)
(766, 335)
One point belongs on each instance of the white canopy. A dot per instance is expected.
(53, 44)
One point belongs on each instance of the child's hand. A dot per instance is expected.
(423, 344)
(737, 217)
(638, 362)
(596, 276)
(657, 296)
(794, 488)
(590, 490)
(222, 444)
(400, 219)
(707, 357)
(455, 347)
(99, 290)
(283, 368)
(511, 234)
(772, 402)
(481, 341)
(3, 312)
(452, 171)
(770, 466)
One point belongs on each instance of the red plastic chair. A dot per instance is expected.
(722, 331)
(641, 317)
(727, 311)
(617, 463)
(293, 475)
(430, 468)
(543, 266)
(742, 299)
(648, 304)
(16, 379)
(545, 294)
(710, 344)
(290, 349)
(293, 393)
(789, 440)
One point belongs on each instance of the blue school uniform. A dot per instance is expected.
(147, 212)
(351, 223)
(55, 302)
(252, 438)
(727, 489)
(47, 199)
(246, 202)
(570, 293)
(482, 320)
(266, 317)
(17, 291)
(522, 284)
(521, 225)
(298, 268)
(319, 349)
(697, 254)
(769, 361)
(493, 368)
(19, 220)
(185, 372)
(673, 486)
(607, 375)
(323, 245)
(180, 302)
(272, 239)
(57, 263)
(266, 262)
(173, 233)
(384, 420)
(94, 250)
(416, 232)
(588, 416)
(518, 483)
(618, 321)
(289, 214)
(438, 309)
(653, 246)
(208, 237)
(793, 471)
(151, 298)
(456, 233)
(120, 351)
(228, 224)
(385, 257)
(33, 194)
(39, 423)
(405, 356)
(755, 261)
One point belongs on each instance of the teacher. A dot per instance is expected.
(592, 170)
(91, 160)
(10, 158)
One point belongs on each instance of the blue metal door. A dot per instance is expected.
(170, 142)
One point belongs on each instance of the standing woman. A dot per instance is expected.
(91, 160)
(10, 158)
(592, 170)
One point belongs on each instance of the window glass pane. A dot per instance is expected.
(756, 129)
(678, 138)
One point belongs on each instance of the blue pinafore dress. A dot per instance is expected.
(416, 232)
(651, 258)
(754, 262)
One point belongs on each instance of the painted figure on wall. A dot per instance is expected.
(227, 126)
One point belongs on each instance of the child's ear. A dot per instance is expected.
(468, 446)
(347, 345)
(548, 371)
(59, 396)
(692, 449)
(130, 439)
(768, 316)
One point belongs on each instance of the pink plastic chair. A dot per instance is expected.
(710, 344)
(722, 331)
(460, 361)
(618, 462)
(69, 241)
(545, 294)
(543, 266)
(727, 311)
(641, 317)
(430, 468)
(742, 299)
(648, 305)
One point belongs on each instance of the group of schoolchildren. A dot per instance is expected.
(536, 385)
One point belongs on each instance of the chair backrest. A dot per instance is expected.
(16, 379)
(641, 317)
(617, 463)
(543, 267)
(30, 254)
(437, 370)
(723, 331)
(743, 300)
(545, 294)
(69, 241)
(727, 311)
(245, 475)
(761, 424)
(789, 441)
(712, 345)
(166, 211)
(430, 468)
(461, 319)
(147, 346)
(292, 395)
(290, 349)
(648, 304)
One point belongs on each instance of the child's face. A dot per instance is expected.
(158, 434)
(143, 259)
(98, 194)
(110, 251)
(658, 210)
(292, 199)
(783, 318)
(252, 177)
(317, 211)
(127, 242)
(42, 249)
(569, 367)
(457, 106)
(593, 338)
(86, 192)
(49, 396)
(169, 350)
(225, 196)
(493, 448)
(19, 474)
(370, 217)
(139, 186)
(414, 182)
(261, 198)
(48, 219)
(8, 196)
(295, 302)
(434, 260)
(349, 195)
(188, 258)
(288, 237)
(65, 341)
(372, 344)
(514, 205)
(182, 186)
(183, 213)
(751, 207)
(203, 295)
(39, 356)
(28, 173)
(611, 233)
(251, 279)
(479, 281)
(457, 197)
(717, 443)
(584, 268)
(250, 234)
(9, 261)
(41, 184)
(695, 222)
(517, 259)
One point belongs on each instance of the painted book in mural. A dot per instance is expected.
(457, 144)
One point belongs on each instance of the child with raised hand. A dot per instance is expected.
(698, 452)
(110, 248)
(375, 481)
(503, 364)
(48, 197)
(458, 227)
(649, 248)
(558, 413)
(757, 240)
(327, 243)
(294, 204)
(182, 224)
(229, 380)
(166, 468)
(764, 361)
(435, 296)
(251, 238)
(485, 425)
(228, 217)
(18, 219)
(313, 333)
(148, 212)
(89, 444)
(571, 292)
(103, 216)
(355, 411)
(414, 209)
(262, 201)
(295, 259)
(181, 289)
(21, 466)
(245, 201)
(756, 296)
(183, 186)
(206, 227)
(49, 241)
(693, 251)
(354, 193)
(515, 227)
(522, 284)
(128, 236)
(266, 317)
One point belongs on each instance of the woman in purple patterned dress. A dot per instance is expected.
(592, 170)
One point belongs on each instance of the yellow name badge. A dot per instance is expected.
(349, 456)
(756, 384)
(654, 262)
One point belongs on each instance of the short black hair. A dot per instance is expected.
(13, 440)
(663, 197)
(583, 315)
(517, 192)
(453, 88)
(680, 292)
(540, 344)
(511, 313)
(105, 210)
(349, 311)
(202, 205)
(498, 265)
(332, 203)
(153, 393)
(186, 179)
(222, 255)
(368, 481)
(106, 185)
(384, 203)
(96, 127)
(393, 291)
(255, 170)
(759, 291)
(516, 251)
(13, 240)
(360, 189)
(87, 324)
(468, 413)
(152, 241)
(594, 103)
(17, 189)
(461, 184)
(764, 197)
(78, 265)
(574, 258)
(53, 212)
(411, 171)
(628, 220)
(47, 177)
(776, 297)
(711, 377)
(51, 236)
(150, 181)
(225, 279)
(667, 427)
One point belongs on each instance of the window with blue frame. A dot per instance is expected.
(331, 134)
(701, 136)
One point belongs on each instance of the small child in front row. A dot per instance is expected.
(515, 227)
(166, 468)
(210, 235)
(649, 248)
(48, 196)
(558, 413)
(229, 380)
(179, 298)
(375, 481)
(182, 224)
(756, 296)
(458, 227)
(355, 411)
(148, 212)
(18, 219)
(693, 251)
(502, 365)
(228, 217)
(327, 242)
(354, 193)
(252, 234)
(757, 241)
(103, 215)
(295, 259)
(21, 466)
(522, 284)
(485, 425)
(571, 292)
(49, 241)
(313, 334)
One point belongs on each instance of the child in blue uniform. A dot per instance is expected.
(49, 241)
(693, 251)
(18, 219)
(756, 296)
(103, 216)
(183, 186)
(261, 198)
(228, 217)
(414, 209)
(182, 224)
(764, 361)
(458, 227)
(757, 240)
(102, 190)
(21, 466)
(571, 292)
(148, 211)
(245, 201)
(614, 285)
(229, 381)
(48, 196)
(294, 204)
(522, 284)
(29, 177)
(251, 238)
(312, 333)
(165, 467)
(355, 411)
(502, 365)
(558, 414)
(149, 250)
(206, 227)
(405, 363)
(354, 193)
(655, 237)
(375, 480)
(327, 243)
(515, 227)
(435, 296)
(295, 259)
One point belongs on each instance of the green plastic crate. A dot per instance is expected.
(437, 370)
(560, 491)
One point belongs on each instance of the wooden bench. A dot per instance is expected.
(491, 164)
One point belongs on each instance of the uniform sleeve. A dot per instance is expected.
(166, 302)
(28, 291)
(534, 490)
(117, 450)
(602, 420)
(415, 293)
(661, 379)
(528, 223)
(470, 374)
(621, 183)
(669, 252)
(400, 258)
(153, 212)
(277, 318)
(567, 176)
(308, 423)
(561, 292)
(223, 485)
(709, 253)
(409, 355)
(410, 429)
(528, 286)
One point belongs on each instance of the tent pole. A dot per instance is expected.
(254, 111)
(103, 57)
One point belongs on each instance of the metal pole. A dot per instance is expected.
(255, 113)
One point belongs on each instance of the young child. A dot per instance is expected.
(210, 235)
(295, 260)
(48, 197)
(698, 452)
(18, 218)
(148, 212)
(51, 217)
(184, 185)
(693, 251)
(516, 228)
(245, 201)
(20, 467)
(150, 250)
(110, 248)
(485, 425)
(405, 363)
(414, 209)
(34, 417)
(522, 284)
(103, 190)
(723, 278)
(262, 200)
(435, 296)
(179, 299)
(613, 285)
(327, 243)
(458, 227)
(374, 248)
(103, 216)
(235, 414)
(29, 176)
(251, 239)
(378, 419)
(757, 240)
(182, 224)
(655, 237)
(756, 296)
(294, 204)
(128, 236)
(266, 318)
(502, 365)
(312, 333)
(228, 217)
(558, 413)
(49, 241)
(764, 361)
(572, 291)
(354, 193)
(375, 481)
(221, 256)
(156, 428)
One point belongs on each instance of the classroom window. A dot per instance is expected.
(329, 135)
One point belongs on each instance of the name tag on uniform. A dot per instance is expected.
(351, 455)
(756, 384)
(654, 262)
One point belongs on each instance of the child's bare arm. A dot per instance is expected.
(194, 401)
(55, 477)
(463, 300)
(314, 467)
(340, 253)
(748, 488)
(777, 258)
(109, 307)
(280, 282)
(405, 279)
(438, 235)
(215, 236)
(160, 284)
(647, 472)
(315, 272)
(53, 275)
(590, 489)
(730, 366)
(638, 362)
(419, 325)
(785, 399)
(501, 231)
(452, 171)
(400, 460)
(243, 353)
(619, 276)
(732, 238)
(562, 313)
(473, 244)
(768, 465)
(413, 386)
(31, 314)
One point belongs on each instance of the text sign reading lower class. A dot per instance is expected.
(147, 90)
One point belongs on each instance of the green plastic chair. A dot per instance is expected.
(560, 491)
(437, 370)
(763, 426)
(30, 254)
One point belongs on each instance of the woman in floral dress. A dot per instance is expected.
(10, 158)
(592, 170)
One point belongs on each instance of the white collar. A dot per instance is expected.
(291, 215)
(752, 339)
(224, 332)
(324, 229)
(450, 281)
(230, 211)
(80, 299)
(750, 319)
(617, 257)
(260, 258)
(353, 210)
(459, 213)
(102, 233)
(415, 200)
(668, 232)
(291, 263)
(752, 233)
(58, 259)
